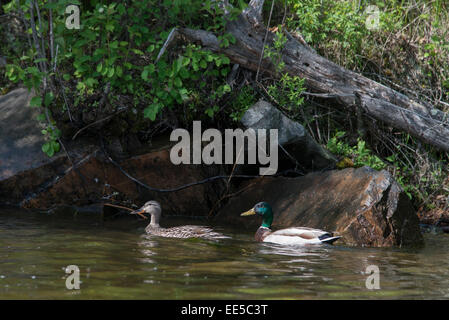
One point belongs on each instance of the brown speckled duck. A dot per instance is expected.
(182, 232)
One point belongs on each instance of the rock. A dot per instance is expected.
(291, 135)
(365, 206)
(23, 165)
(96, 179)
(24, 169)
(31, 179)
(437, 217)
(20, 134)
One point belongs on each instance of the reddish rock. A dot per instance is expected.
(95, 179)
(438, 217)
(29, 178)
(365, 206)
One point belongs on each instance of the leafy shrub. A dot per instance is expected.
(360, 154)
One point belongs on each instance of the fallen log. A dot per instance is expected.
(419, 119)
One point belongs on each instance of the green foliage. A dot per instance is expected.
(330, 23)
(241, 103)
(287, 92)
(274, 53)
(361, 155)
(173, 83)
(117, 47)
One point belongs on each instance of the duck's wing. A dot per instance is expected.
(191, 231)
(300, 235)
(303, 232)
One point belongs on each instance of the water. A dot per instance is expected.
(117, 261)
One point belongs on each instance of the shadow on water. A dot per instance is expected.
(117, 261)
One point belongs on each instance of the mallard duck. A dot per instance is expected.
(154, 209)
(293, 235)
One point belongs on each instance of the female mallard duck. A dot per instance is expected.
(294, 235)
(154, 209)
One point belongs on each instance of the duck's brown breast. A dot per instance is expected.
(262, 233)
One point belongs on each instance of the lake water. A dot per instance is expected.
(117, 261)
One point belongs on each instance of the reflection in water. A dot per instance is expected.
(118, 261)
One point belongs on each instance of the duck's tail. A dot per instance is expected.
(328, 238)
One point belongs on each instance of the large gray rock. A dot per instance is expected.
(24, 168)
(292, 136)
(20, 134)
(366, 207)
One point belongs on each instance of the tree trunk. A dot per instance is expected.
(323, 76)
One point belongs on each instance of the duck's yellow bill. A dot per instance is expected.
(248, 213)
(139, 212)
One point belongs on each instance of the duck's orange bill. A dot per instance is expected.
(139, 212)
(248, 213)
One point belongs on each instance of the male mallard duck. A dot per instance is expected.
(294, 235)
(154, 209)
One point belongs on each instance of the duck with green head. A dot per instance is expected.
(293, 235)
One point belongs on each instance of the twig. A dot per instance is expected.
(61, 84)
(188, 185)
(35, 39)
(116, 206)
(96, 122)
(264, 41)
(38, 12)
(170, 37)
(51, 35)
(327, 95)
(25, 23)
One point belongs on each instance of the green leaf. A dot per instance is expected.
(178, 82)
(144, 74)
(46, 147)
(40, 60)
(48, 98)
(121, 8)
(195, 65)
(90, 82)
(184, 73)
(184, 94)
(110, 26)
(105, 71)
(150, 48)
(66, 76)
(41, 117)
(151, 68)
(55, 146)
(111, 72)
(137, 51)
(80, 86)
(151, 111)
(119, 71)
(36, 102)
